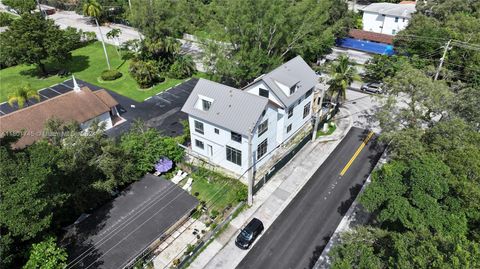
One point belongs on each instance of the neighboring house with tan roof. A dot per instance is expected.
(81, 105)
(268, 112)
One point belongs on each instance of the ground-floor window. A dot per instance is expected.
(262, 149)
(199, 144)
(289, 128)
(234, 155)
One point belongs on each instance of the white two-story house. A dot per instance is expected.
(223, 120)
(387, 18)
(290, 87)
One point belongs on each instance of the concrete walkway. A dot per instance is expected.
(273, 198)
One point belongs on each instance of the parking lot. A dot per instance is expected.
(161, 111)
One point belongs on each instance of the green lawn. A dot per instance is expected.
(220, 192)
(330, 130)
(87, 64)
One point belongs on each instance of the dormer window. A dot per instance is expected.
(206, 105)
(293, 89)
(203, 103)
(263, 92)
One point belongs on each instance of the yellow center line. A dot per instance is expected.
(364, 143)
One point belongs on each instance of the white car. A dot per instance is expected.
(373, 87)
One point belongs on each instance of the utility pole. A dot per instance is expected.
(250, 169)
(447, 47)
(318, 115)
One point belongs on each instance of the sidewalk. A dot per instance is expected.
(273, 198)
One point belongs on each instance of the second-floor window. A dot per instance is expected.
(396, 19)
(236, 137)
(289, 128)
(206, 105)
(263, 127)
(199, 127)
(263, 92)
(290, 112)
(262, 149)
(306, 110)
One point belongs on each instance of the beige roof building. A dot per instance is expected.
(80, 105)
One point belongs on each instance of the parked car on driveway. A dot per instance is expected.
(248, 234)
(373, 87)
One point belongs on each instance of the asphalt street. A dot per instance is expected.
(299, 234)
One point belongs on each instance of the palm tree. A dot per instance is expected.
(21, 96)
(114, 34)
(342, 74)
(93, 9)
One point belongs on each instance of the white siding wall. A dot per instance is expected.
(104, 118)
(374, 22)
(218, 142)
(297, 119)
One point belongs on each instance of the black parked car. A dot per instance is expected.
(249, 234)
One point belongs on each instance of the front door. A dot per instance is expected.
(210, 150)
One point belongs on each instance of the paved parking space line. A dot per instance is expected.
(147, 98)
(53, 90)
(174, 96)
(166, 100)
(2, 112)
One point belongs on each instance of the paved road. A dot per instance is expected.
(299, 234)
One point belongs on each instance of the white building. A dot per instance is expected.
(267, 112)
(387, 18)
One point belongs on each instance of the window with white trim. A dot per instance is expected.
(206, 105)
(306, 110)
(262, 149)
(289, 128)
(236, 137)
(199, 127)
(263, 127)
(290, 112)
(234, 155)
(263, 92)
(199, 144)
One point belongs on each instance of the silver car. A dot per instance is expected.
(373, 87)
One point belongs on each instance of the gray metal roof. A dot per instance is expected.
(295, 71)
(399, 10)
(231, 108)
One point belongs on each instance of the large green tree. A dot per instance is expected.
(414, 100)
(21, 6)
(47, 255)
(34, 40)
(259, 35)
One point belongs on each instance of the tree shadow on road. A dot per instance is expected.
(318, 251)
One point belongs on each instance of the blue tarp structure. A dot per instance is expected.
(365, 45)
